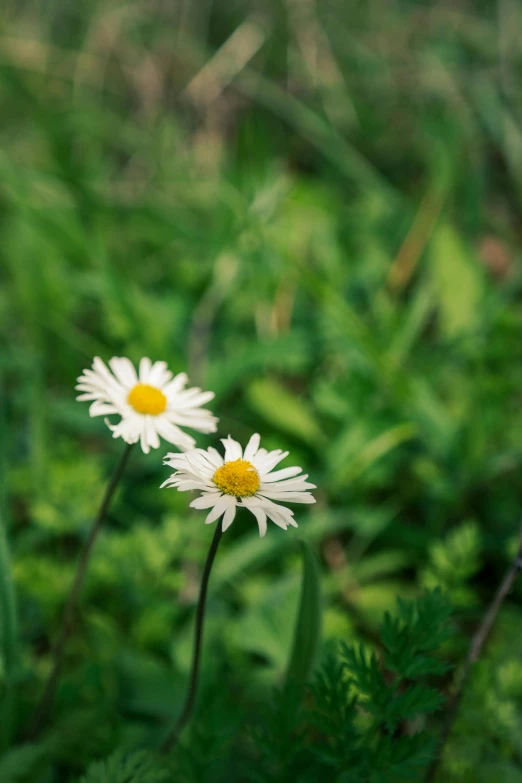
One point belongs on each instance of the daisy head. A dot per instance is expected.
(240, 479)
(151, 403)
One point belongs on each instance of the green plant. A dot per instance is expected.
(364, 719)
(135, 767)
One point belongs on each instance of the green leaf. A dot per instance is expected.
(376, 449)
(458, 282)
(137, 767)
(289, 353)
(20, 762)
(283, 410)
(454, 561)
(308, 625)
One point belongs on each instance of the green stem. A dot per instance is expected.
(190, 699)
(41, 713)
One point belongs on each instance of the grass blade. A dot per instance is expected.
(308, 625)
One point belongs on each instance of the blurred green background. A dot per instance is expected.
(314, 208)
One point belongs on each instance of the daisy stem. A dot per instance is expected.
(190, 699)
(41, 713)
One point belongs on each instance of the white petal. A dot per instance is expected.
(87, 387)
(261, 519)
(280, 515)
(233, 449)
(186, 486)
(124, 371)
(176, 384)
(199, 465)
(159, 374)
(252, 447)
(291, 485)
(200, 420)
(152, 434)
(265, 464)
(268, 505)
(276, 517)
(173, 434)
(99, 390)
(144, 440)
(101, 383)
(101, 369)
(100, 408)
(215, 457)
(128, 428)
(218, 509)
(176, 460)
(206, 501)
(230, 513)
(282, 474)
(145, 366)
(289, 497)
(191, 398)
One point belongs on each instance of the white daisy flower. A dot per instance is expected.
(152, 404)
(240, 480)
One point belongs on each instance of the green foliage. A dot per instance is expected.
(136, 767)
(485, 744)
(284, 410)
(314, 209)
(21, 764)
(457, 282)
(454, 561)
(362, 720)
(278, 738)
(418, 630)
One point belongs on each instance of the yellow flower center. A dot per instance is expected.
(238, 478)
(147, 399)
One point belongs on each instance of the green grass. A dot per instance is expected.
(314, 209)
